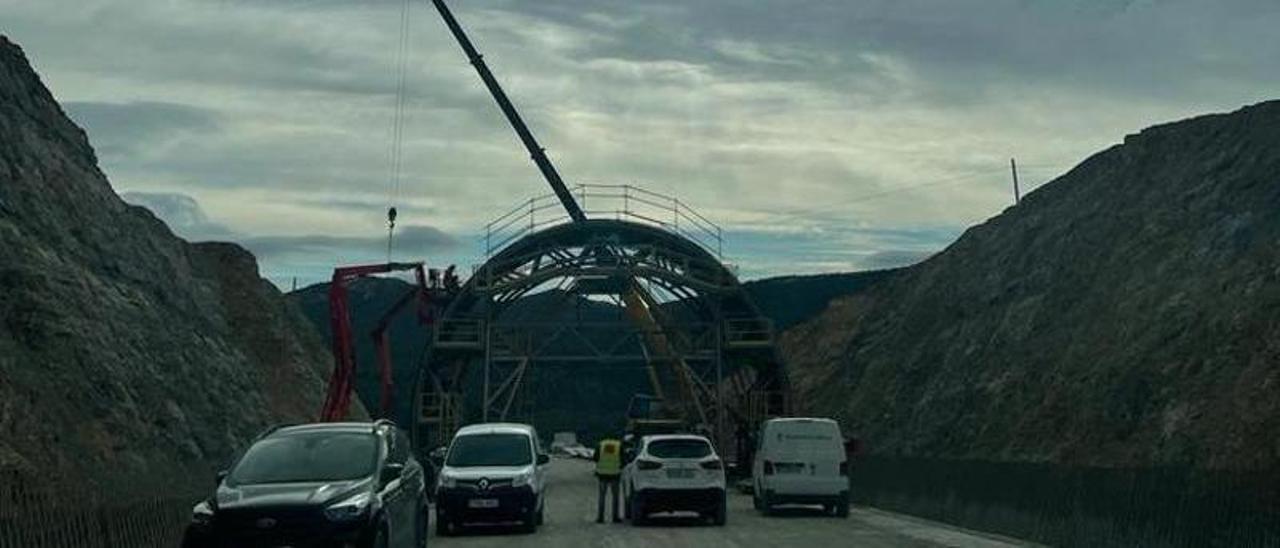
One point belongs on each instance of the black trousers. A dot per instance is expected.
(607, 484)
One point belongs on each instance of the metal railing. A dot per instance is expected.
(600, 201)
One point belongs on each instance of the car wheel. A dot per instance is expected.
(379, 537)
(842, 509)
(766, 505)
(192, 538)
(541, 517)
(420, 521)
(721, 515)
(638, 516)
(755, 502)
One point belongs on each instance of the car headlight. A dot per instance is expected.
(349, 509)
(522, 479)
(447, 481)
(202, 514)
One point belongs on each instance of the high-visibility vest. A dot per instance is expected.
(609, 458)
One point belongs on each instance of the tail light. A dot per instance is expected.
(844, 468)
(648, 464)
(713, 465)
(768, 468)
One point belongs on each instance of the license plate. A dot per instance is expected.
(482, 503)
(679, 473)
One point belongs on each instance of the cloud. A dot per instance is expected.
(132, 128)
(412, 239)
(804, 118)
(182, 213)
(308, 255)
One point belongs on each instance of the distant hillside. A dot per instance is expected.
(1127, 313)
(129, 359)
(789, 300)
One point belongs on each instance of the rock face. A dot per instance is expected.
(128, 357)
(1127, 313)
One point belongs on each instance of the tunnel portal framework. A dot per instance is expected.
(709, 354)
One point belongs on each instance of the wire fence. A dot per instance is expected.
(1073, 506)
(34, 516)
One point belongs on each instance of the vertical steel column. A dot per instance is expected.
(488, 345)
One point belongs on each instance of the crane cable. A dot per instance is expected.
(397, 128)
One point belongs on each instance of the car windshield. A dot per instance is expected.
(679, 449)
(490, 450)
(314, 456)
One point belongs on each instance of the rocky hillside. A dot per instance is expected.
(128, 357)
(1127, 313)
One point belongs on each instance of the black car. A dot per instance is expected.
(328, 485)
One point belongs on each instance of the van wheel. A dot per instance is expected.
(530, 522)
(766, 506)
(443, 527)
(755, 502)
(842, 509)
(540, 518)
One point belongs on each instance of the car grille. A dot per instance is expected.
(266, 525)
(493, 483)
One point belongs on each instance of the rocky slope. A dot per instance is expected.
(1128, 313)
(128, 357)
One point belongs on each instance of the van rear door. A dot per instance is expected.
(806, 454)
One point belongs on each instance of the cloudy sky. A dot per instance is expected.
(820, 134)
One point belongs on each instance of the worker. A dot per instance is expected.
(608, 459)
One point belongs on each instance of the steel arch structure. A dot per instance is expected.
(714, 346)
(709, 352)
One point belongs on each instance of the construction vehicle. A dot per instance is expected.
(342, 380)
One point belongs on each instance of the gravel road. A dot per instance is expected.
(570, 521)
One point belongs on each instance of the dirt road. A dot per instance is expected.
(570, 521)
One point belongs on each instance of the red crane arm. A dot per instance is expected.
(342, 380)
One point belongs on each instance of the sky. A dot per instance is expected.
(819, 135)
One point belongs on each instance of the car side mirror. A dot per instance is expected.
(391, 472)
(217, 478)
(543, 458)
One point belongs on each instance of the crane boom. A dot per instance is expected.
(636, 295)
(535, 150)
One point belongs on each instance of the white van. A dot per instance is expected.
(493, 472)
(801, 461)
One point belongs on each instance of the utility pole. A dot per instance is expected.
(1017, 192)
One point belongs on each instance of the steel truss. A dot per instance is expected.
(702, 334)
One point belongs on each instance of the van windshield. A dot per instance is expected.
(490, 450)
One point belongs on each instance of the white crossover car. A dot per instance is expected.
(674, 473)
